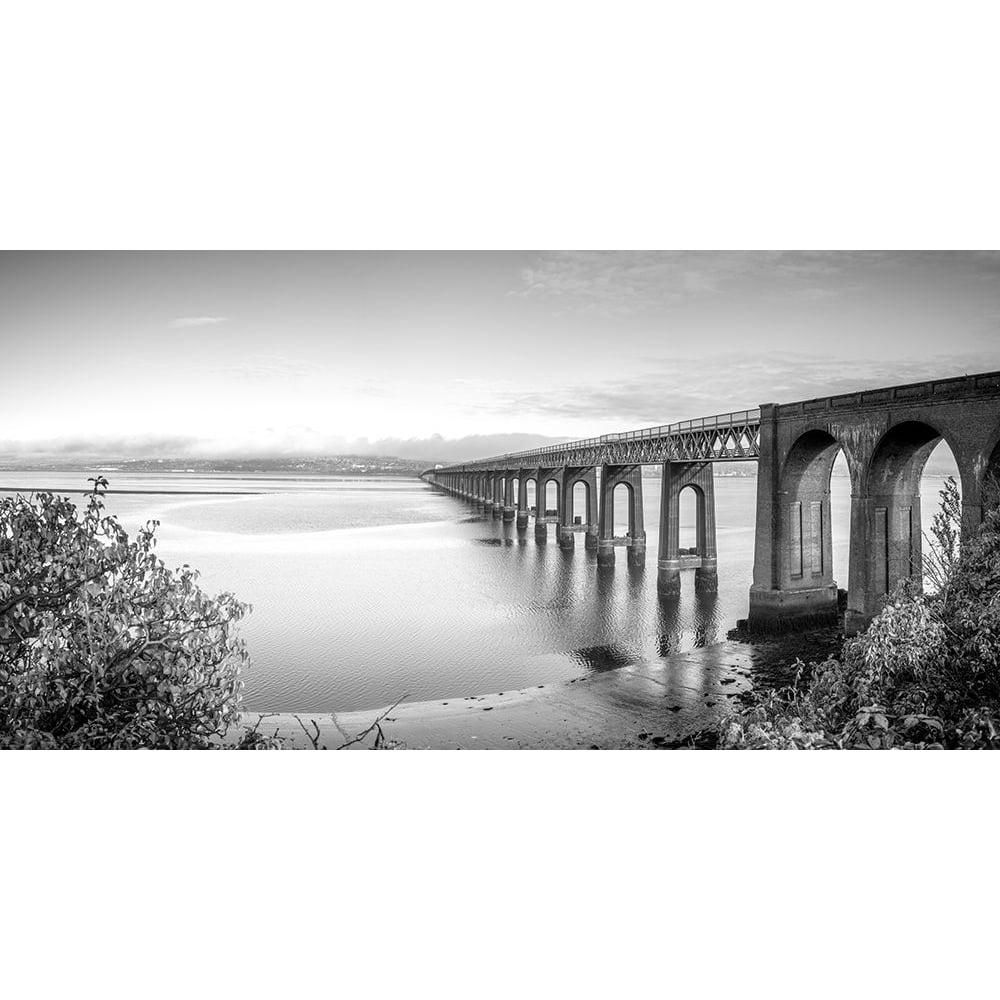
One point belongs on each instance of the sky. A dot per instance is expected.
(447, 356)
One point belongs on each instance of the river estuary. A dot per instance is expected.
(368, 589)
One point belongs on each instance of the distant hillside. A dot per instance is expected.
(358, 465)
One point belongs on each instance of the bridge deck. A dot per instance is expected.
(727, 437)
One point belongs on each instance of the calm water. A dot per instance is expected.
(366, 590)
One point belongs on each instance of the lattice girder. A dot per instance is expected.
(729, 437)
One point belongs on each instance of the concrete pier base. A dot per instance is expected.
(668, 578)
(784, 610)
(497, 512)
(605, 552)
(522, 519)
(508, 514)
(590, 538)
(637, 553)
(566, 538)
(706, 577)
(541, 531)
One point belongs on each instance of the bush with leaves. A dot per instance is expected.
(103, 646)
(926, 673)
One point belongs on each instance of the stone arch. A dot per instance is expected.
(581, 504)
(630, 506)
(899, 457)
(549, 499)
(698, 495)
(886, 528)
(613, 476)
(530, 499)
(806, 558)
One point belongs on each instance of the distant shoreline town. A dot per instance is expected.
(329, 465)
(357, 465)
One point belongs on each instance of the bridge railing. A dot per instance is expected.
(737, 418)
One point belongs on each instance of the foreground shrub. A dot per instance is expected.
(101, 645)
(926, 673)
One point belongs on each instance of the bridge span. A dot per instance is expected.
(886, 436)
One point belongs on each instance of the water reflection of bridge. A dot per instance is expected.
(886, 436)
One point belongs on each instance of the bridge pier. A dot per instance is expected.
(496, 495)
(569, 522)
(522, 499)
(509, 498)
(635, 540)
(544, 476)
(698, 477)
(793, 581)
(885, 518)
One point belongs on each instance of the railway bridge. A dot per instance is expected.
(886, 436)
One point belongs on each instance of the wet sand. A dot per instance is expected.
(668, 703)
(663, 703)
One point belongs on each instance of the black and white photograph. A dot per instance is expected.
(431, 378)
(302, 501)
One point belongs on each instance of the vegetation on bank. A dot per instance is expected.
(925, 675)
(101, 645)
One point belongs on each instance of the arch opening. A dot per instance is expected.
(807, 557)
(530, 488)
(896, 507)
(550, 497)
(691, 518)
(942, 523)
(580, 496)
(624, 515)
(840, 519)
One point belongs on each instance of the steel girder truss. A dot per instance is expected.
(728, 437)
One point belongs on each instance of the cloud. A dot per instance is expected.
(667, 391)
(272, 442)
(182, 322)
(68, 449)
(619, 284)
(687, 388)
(623, 283)
(263, 366)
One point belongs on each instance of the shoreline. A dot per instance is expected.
(657, 704)
(663, 703)
(157, 493)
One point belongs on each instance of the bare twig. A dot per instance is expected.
(313, 739)
(375, 726)
(260, 719)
